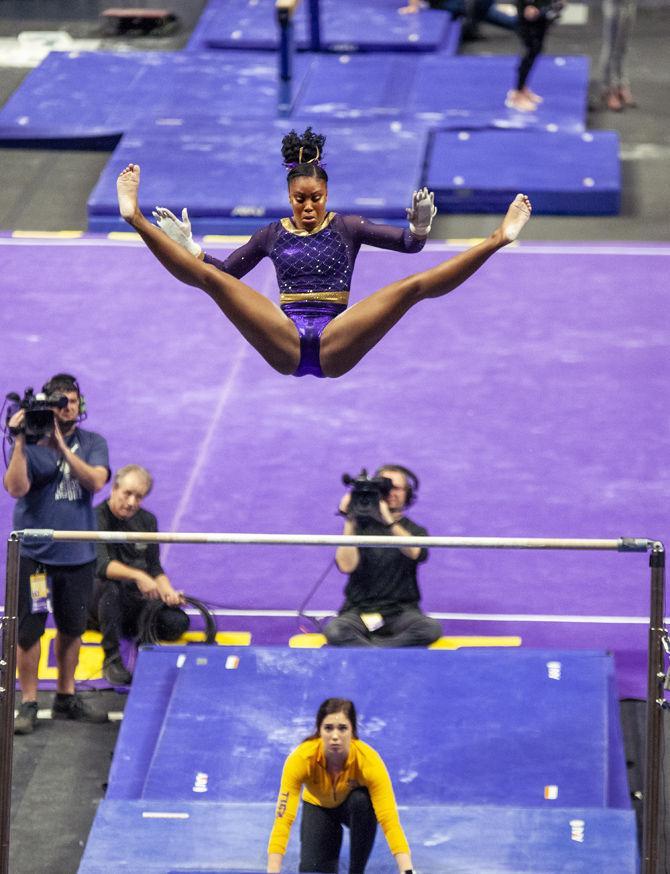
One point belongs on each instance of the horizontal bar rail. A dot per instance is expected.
(616, 544)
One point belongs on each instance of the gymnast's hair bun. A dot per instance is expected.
(302, 149)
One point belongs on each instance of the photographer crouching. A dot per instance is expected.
(54, 470)
(382, 595)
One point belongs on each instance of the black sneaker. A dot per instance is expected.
(115, 672)
(75, 707)
(26, 719)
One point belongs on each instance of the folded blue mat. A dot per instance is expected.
(345, 26)
(563, 173)
(232, 179)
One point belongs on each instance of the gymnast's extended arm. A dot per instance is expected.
(237, 264)
(412, 239)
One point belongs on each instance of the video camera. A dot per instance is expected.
(366, 493)
(39, 419)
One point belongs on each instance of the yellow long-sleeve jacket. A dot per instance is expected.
(306, 766)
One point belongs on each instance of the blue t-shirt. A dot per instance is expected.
(57, 500)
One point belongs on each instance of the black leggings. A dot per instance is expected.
(531, 34)
(321, 834)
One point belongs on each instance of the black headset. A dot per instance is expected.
(66, 379)
(411, 479)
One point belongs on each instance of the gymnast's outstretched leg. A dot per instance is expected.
(258, 319)
(354, 332)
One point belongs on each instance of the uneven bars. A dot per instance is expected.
(656, 670)
(619, 544)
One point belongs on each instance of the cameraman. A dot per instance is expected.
(54, 481)
(382, 596)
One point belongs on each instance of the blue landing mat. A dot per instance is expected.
(490, 722)
(79, 97)
(231, 177)
(446, 92)
(154, 677)
(193, 837)
(346, 26)
(82, 96)
(481, 171)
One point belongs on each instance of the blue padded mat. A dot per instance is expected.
(563, 173)
(469, 840)
(446, 92)
(345, 25)
(154, 677)
(483, 728)
(231, 176)
(77, 96)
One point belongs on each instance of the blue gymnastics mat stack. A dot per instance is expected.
(193, 107)
(345, 26)
(501, 762)
(211, 175)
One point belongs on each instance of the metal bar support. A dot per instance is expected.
(7, 695)
(655, 706)
(314, 26)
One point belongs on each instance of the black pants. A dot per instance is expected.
(70, 588)
(409, 628)
(531, 34)
(117, 609)
(321, 834)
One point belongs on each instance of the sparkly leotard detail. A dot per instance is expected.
(314, 270)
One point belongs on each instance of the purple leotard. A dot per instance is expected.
(314, 270)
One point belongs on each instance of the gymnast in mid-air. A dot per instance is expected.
(312, 331)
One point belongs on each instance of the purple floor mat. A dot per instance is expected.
(530, 402)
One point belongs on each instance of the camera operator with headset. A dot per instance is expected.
(55, 469)
(382, 596)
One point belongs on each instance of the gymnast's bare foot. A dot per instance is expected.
(127, 186)
(517, 215)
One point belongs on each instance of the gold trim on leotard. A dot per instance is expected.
(288, 225)
(316, 296)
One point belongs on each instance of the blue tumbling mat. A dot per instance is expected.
(193, 786)
(563, 173)
(140, 837)
(345, 26)
(488, 723)
(446, 92)
(78, 97)
(154, 677)
(232, 181)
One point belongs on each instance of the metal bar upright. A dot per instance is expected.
(7, 694)
(314, 26)
(285, 60)
(655, 706)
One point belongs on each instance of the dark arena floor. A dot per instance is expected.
(565, 333)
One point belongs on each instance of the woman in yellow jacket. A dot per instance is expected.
(345, 783)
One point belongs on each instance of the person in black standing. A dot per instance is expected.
(534, 20)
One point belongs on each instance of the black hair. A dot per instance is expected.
(302, 154)
(335, 705)
(62, 382)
